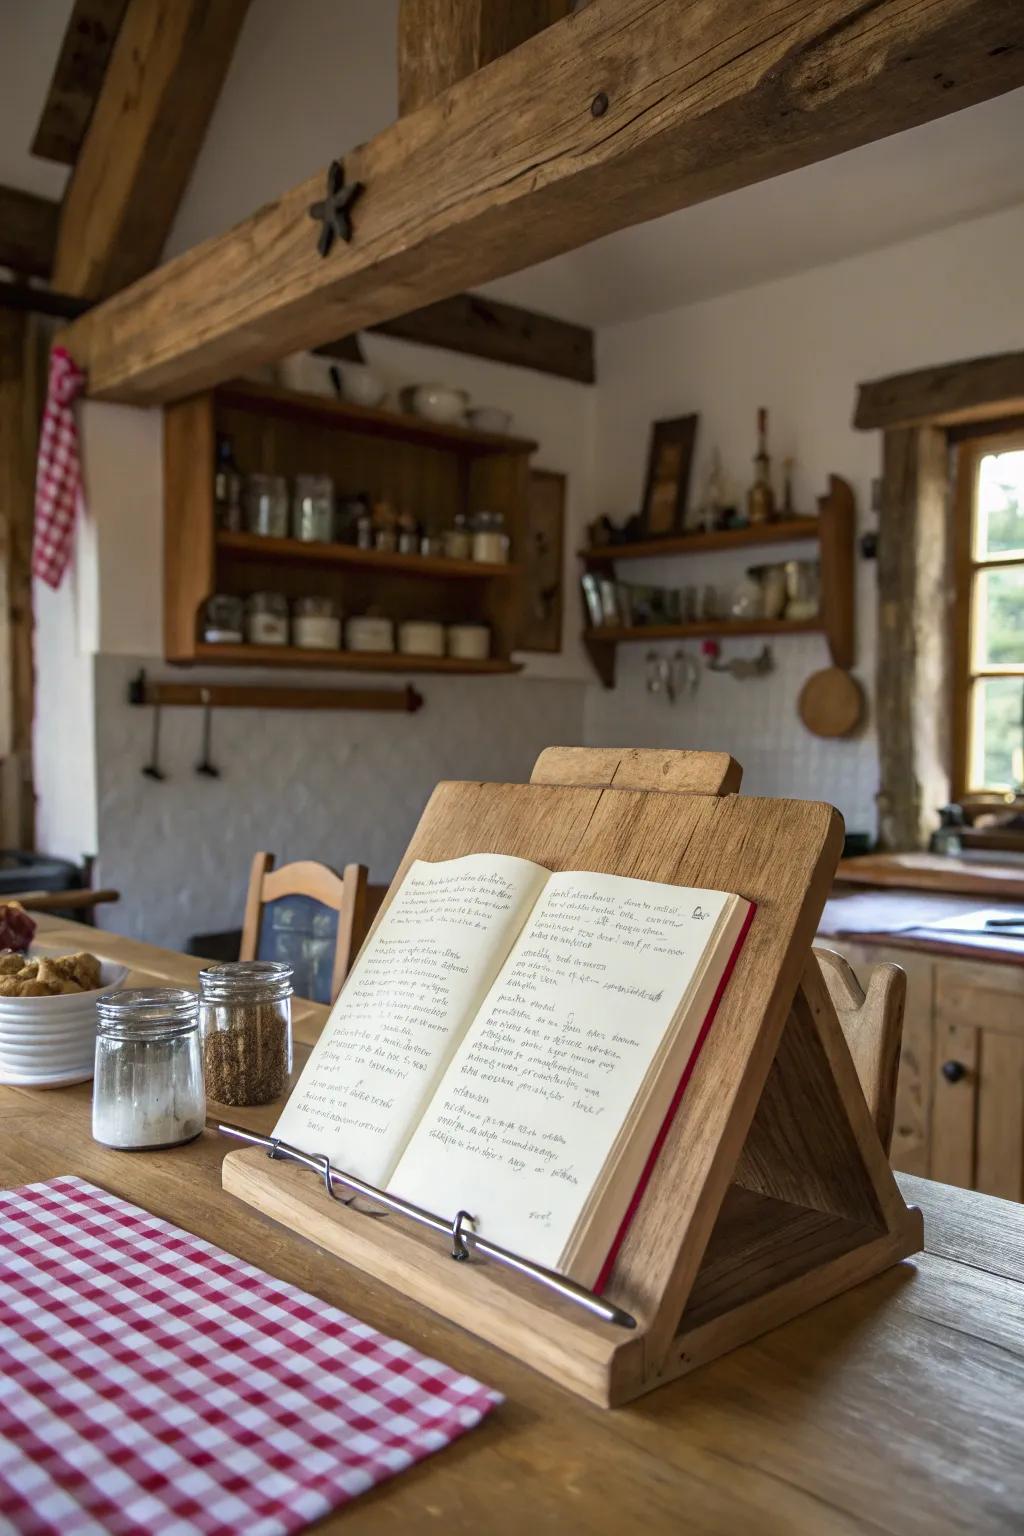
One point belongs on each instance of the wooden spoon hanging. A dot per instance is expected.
(831, 703)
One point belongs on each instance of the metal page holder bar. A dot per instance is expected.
(465, 1242)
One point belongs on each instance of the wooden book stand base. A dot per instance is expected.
(772, 1191)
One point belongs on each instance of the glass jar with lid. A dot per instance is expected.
(148, 1087)
(266, 619)
(222, 619)
(490, 541)
(313, 509)
(458, 541)
(316, 624)
(245, 1011)
(266, 506)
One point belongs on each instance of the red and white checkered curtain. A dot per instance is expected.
(58, 472)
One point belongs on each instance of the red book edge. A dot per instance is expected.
(659, 1140)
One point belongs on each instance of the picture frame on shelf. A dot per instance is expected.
(669, 462)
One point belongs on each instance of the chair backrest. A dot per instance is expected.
(308, 915)
(872, 1022)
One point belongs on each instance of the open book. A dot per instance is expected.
(511, 1042)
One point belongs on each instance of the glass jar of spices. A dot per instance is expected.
(222, 619)
(458, 541)
(266, 619)
(313, 509)
(148, 1087)
(266, 506)
(245, 1013)
(316, 624)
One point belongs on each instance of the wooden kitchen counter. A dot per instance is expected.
(898, 1407)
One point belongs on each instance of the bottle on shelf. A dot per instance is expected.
(227, 488)
(760, 498)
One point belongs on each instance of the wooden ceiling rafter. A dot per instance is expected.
(164, 75)
(621, 112)
(478, 326)
(441, 41)
(28, 232)
(85, 51)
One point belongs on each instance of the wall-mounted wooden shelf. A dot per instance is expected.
(785, 531)
(345, 661)
(288, 404)
(253, 546)
(832, 530)
(427, 469)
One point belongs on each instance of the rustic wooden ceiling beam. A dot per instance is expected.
(28, 232)
(77, 78)
(501, 333)
(614, 115)
(980, 389)
(441, 41)
(165, 73)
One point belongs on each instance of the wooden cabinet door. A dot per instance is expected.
(978, 1114)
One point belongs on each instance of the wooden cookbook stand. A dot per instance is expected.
(772, 1191)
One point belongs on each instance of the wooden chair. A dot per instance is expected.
(300, 888)
(872, 1022)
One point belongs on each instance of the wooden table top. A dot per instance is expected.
(898, 1407)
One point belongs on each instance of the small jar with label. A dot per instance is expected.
(313, 509)
(266, 506)
(223, 619)
(266, 619)
(316, 624)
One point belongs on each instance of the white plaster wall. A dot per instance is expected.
(799, 346)
(337, 787)
(307, 81)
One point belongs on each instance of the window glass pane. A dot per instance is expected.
(999, 506)
(997, 739)
(998, 618)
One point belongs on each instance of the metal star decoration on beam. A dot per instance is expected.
(335, 210)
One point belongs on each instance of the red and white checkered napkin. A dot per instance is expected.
(150, 1382)
(58, 471)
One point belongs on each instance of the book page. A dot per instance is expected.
(526, 1115)
(412, 992)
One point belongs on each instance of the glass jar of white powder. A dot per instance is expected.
(148, 1087)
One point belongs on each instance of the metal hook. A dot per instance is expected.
(152, 769)
(205, 767)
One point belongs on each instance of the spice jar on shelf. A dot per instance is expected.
(245, 1014)
(223, 619)
(490, 541)
(148, 1086)
(266, 619)
(316, 624)
(313, 509)
(458, 541)
(227, 489)
(266, 506)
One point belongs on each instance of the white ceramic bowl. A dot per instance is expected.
(360, 384)
(46, 1042)
(488, 418)
(441, 403)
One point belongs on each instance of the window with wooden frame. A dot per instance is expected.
(988, 719)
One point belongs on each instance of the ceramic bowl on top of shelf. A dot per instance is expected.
(359, 384)
(488, 418)
(307, 374)
(48, 1042)
(440, 403)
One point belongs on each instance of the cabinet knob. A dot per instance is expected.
(953, 1071)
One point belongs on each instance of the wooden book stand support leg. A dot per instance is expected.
(772, 1191)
